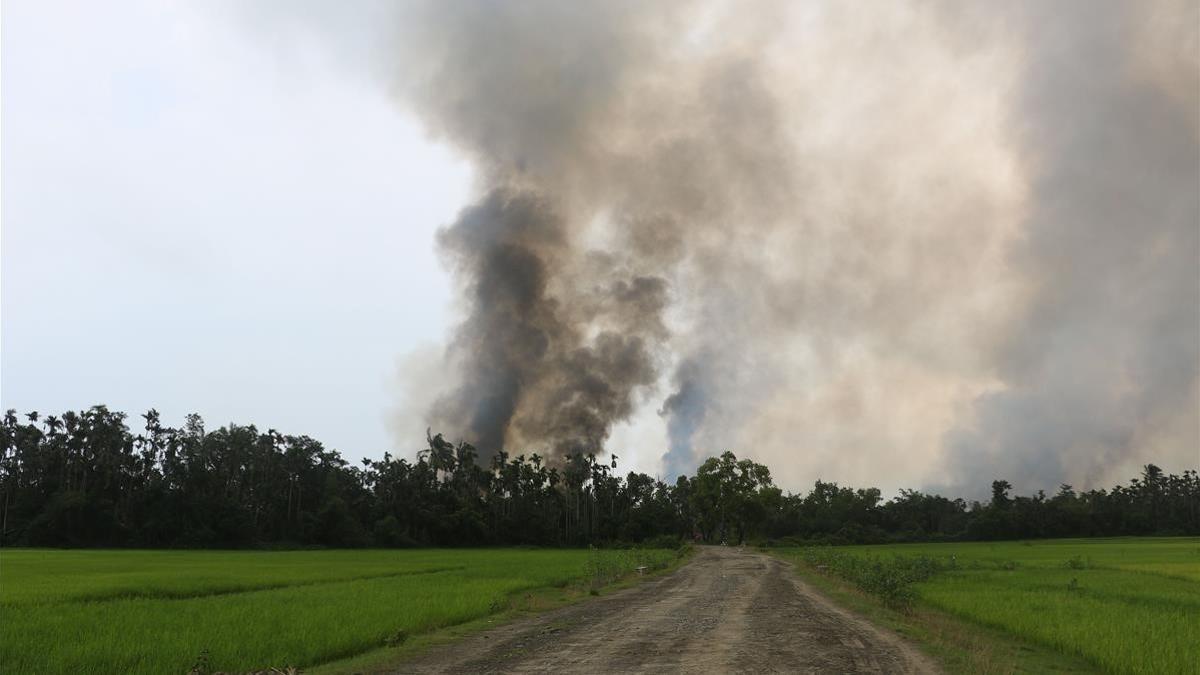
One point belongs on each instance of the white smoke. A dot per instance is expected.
(897, 244)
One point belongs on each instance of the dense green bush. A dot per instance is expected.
(890, 579)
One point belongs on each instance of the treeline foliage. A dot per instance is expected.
(86, 479)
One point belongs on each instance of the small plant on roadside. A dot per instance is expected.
(605, 566)
(396, 639)
(664, 541)
(201, 666)
(602, 567)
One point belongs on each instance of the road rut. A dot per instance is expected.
(726, 611)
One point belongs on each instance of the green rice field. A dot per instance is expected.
(1127, 605)
(89, 611)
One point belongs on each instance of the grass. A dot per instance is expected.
(1127, 605)
(960, 646)
(159, 611)
(533, 602)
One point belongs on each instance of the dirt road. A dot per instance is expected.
(726, 611)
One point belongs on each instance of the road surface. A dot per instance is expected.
(726, 611)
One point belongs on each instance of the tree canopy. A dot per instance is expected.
(85, 479)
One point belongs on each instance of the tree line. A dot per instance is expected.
(85, 479)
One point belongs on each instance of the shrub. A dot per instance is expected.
(663, 541)
(889, 579)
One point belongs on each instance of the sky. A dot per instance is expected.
(926, 245)
(205, 211)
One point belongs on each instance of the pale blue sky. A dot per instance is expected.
(194, 220)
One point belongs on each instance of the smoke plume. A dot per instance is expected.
(1100, 365)
(900, 244)
(556, 367)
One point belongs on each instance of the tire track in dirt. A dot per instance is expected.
(726, 611)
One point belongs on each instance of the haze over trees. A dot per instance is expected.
(86, 479)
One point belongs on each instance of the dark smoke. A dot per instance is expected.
(603, 183)
(531, 366)
(900, 243)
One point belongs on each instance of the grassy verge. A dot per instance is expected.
(1124, 605)
(960, 646)
(602, 579)
(163, 611)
